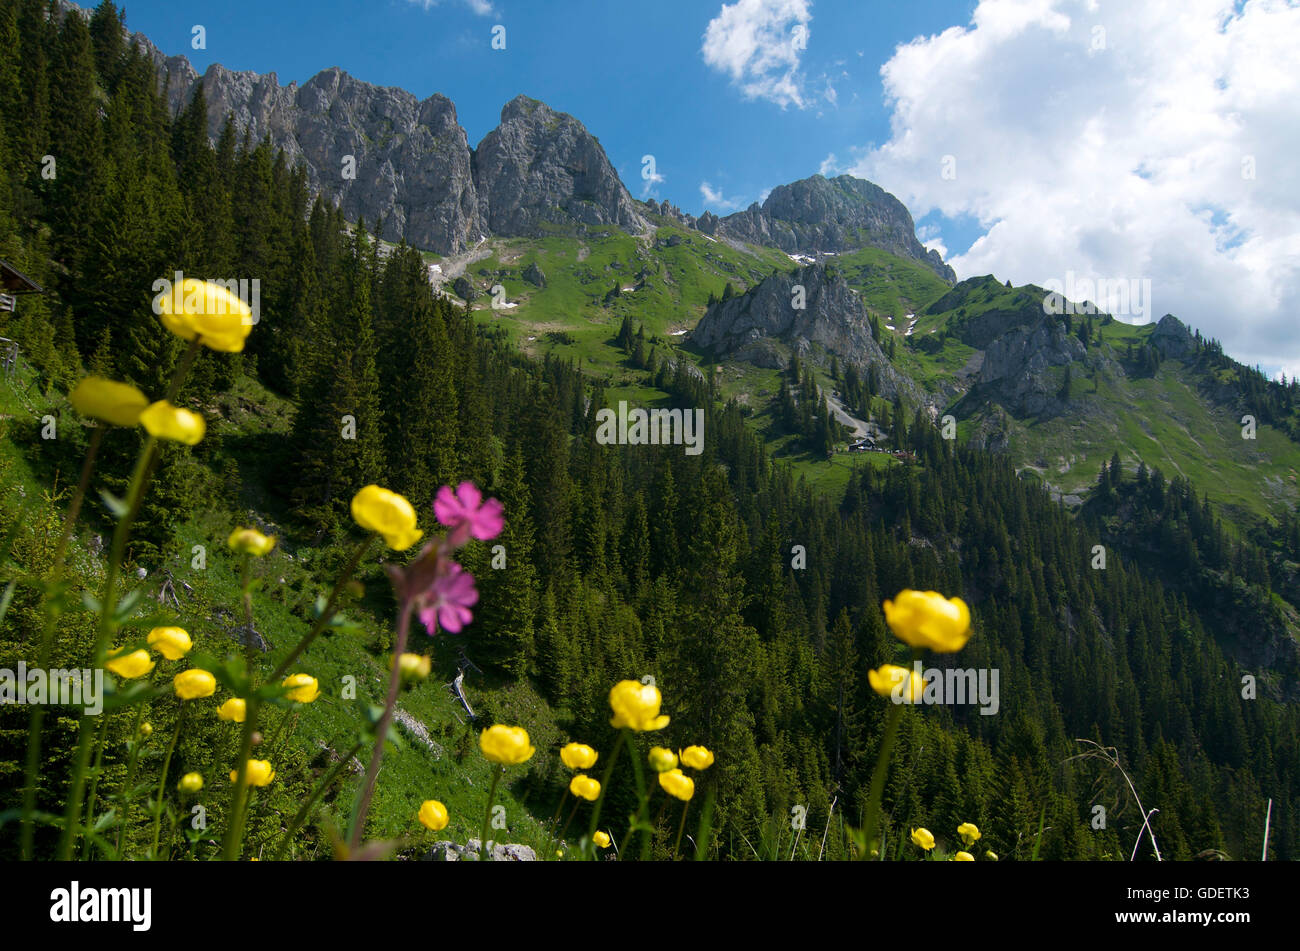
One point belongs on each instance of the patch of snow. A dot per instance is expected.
(677, 333)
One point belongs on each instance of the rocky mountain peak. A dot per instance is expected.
(540, 165)
(840, 214)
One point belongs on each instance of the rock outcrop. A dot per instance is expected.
(763, 326)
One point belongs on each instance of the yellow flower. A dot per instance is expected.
(890, 678)
(601, 839)
(677, 784)
(507, 745)
(119, 404)
(190, 783)
(194, 683)
(388, 514)
(969, 832)
(636, 705)
(146, 729)
(584, 787)
(697, 757)
(433, 815)
(132, 665)
(414, 666)
(233, 709)
(172, 642)
(578, 756)
(306, 688)
(250, 541)
(991, 855)
(208, 311)
(259, 773)
(165, 421)
(963, 857)
(662, 760)
(928, 619)
(923, 838)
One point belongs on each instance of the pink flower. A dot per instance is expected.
(465, 513)
(447, 601)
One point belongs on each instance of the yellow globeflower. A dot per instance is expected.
(584, 787)
(388, 514)
(233, 709)
(991, 855)
(928, 619)
(677, 784)
(963, 857)
(146, 729)
(601, 839)
(119, 404)
(578, 756)
(414, 666)
(969, 832)
(165, 421)
(661, 759)
(132, 665)
(250, 541)
(305, 687)
(190, 783)
(897, 683)
(194, 683)
(697, 757)
(259, 773)
(923, 838)
(433, 815)
(636, 705)
(208, 311)
(172, 642)
(507, 745)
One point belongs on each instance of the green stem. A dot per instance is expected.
(235, 830)
(94, 781)
(487, 813)
(125, 795)
(139, 480)
(319, 791)
(230, 845)
(604, 783)
(681, 828)
(357, 554)
(381, 732)
(572, 812)
(162, 781)
(878, 776)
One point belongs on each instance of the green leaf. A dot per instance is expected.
(6, 598)
(125, 606)
(115, 505)
(90, 601)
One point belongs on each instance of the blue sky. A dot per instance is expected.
(632, 73)
(1150, 142)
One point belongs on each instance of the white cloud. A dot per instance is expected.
(831, 95)
(758, 43)
(483, 8)
(1115, 152)
(829, 166)
(715, 200)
